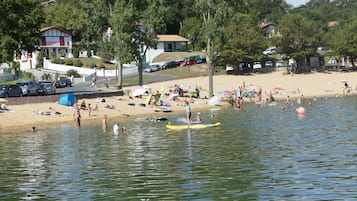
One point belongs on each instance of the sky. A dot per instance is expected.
(296, 3)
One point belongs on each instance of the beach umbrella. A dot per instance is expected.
(3, 100)
(139, 91)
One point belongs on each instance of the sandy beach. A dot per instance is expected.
(308, 85)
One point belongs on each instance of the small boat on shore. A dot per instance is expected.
(193, 126)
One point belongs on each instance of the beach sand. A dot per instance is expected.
(308, 85)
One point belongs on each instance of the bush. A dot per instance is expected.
(57, 76)
(77, 63)
(69, 62)
(53, 56)
(72, 72)
(57, 61)
(46, 76)
(40, 57)
(28, 75)
(75, 52)
(89, 53)
(63, 53)
(92, 65)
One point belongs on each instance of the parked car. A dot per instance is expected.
(28, 87)
(46, 88)
(63, 82)
(269, 51)
(269, 64)
(170, 64)
(152, 68)
(257, 65)
(9, 90)
(201, 60)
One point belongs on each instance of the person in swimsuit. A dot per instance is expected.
(188, 112)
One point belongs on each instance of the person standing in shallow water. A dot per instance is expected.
(188, 113)
(105, 123)
(77, 115)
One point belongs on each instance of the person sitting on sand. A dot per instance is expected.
(52, 110)
(83, 105)
(111, 107)
(347, 88)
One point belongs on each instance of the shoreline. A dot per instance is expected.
(23, 117)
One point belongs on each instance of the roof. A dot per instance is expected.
(265, 25)
(171, 38)
(332, 23)
(57, 28)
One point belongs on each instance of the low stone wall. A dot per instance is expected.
(55, 98)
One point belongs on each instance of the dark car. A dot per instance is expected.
(170, 64)
(201, 60)
(63, 82)
(46, 88)
(10, 90)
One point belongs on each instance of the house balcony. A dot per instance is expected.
(55, 44)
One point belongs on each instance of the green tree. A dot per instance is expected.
(214, 15)
(191, 29)
(19, 27)
(67, 15)
(344, 41)
(245, 44)
(299, 37)
(136, 24)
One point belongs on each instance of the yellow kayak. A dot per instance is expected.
(193, 126)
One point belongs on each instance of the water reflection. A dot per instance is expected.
(259, 153)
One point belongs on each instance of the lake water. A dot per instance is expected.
(257, 154)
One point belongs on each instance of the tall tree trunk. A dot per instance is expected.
(210, 68)
(120, 74)
(140, 69)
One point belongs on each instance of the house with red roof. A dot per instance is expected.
(54, 41)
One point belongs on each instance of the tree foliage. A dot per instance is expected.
(67, 15)
(19, 27)
(245, 42)
(136, 24)
(344, 41)
(299, 37)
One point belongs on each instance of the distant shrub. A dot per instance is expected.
(73, 73)
(57, 61)
(53, 56)
(75, 52)
(77, 63)
(57, 75)
(89, 53)
(63, 53)
(46, 76)
(40, 58)
(69, 62)
(28, 75)
(92, 65)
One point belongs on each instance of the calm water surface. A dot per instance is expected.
(256, 154)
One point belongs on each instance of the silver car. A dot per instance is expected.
(28, 87)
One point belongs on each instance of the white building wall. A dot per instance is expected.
(151, 53)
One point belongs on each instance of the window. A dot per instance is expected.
(43, 41)
(61, 41)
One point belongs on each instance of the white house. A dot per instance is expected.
(53, 40)
(268, 30)
(166, 43)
